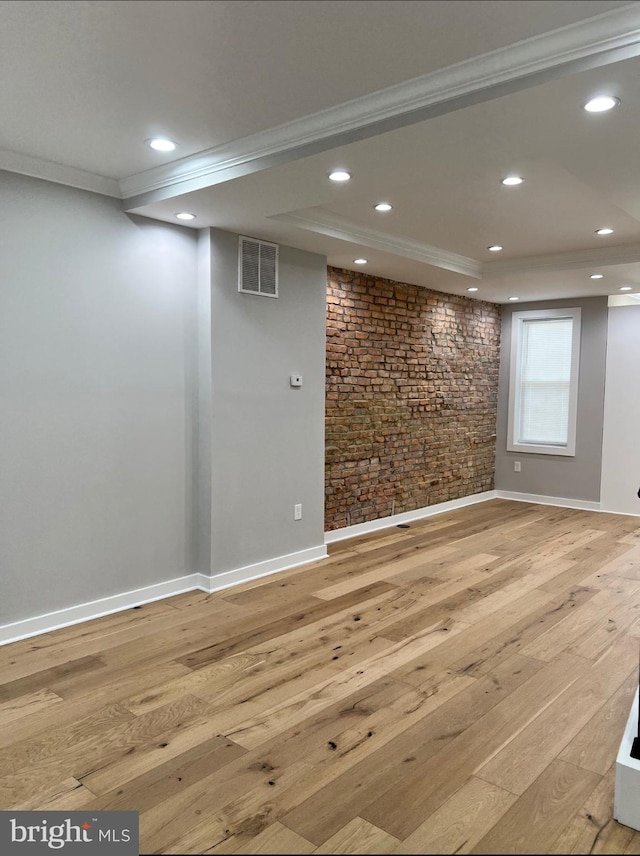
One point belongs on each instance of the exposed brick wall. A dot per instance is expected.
(412, 387)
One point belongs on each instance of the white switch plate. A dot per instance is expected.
(295, 380)
(297, 511)
(517, 467)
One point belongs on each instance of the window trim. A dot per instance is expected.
(517, 319)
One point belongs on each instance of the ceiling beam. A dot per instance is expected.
(597, 41)
(345, 230)
(570, 260)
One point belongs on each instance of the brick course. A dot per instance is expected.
(412, 388)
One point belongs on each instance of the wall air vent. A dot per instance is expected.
(258, 267)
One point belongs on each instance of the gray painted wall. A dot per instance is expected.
(97, 333)
(620, 450)
(267, 438)
(554, 475)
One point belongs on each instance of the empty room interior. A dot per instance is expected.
(319, 420)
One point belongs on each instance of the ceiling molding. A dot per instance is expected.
(603, 39)
(573, 259)
(345, 230)
(57, 173)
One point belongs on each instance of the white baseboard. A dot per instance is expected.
(50, 621)
(538, 499)
(626, 800)
(94, 609)
(260, 569)
(406, 517)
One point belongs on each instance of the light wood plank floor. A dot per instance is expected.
(460, 686)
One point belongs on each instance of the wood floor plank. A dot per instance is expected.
(592, 828)
(525, 619)
(534, 821)
(252, 732)
(237, 707)
(315, 611)
(21, 791)
(172, 744)
(254, 771)
(21, 706)
(457, 686)
(407, 802)
(462, 821)
(239, 819)
(633, 847)
(47, 678)
(597, 743)
(169, 778)
(325, 760)
(71, 800)
(41, 723)
(579, 622)
(83, 733)
(359, 836)
(466, 594)
(88, 638)
(321, 815)
(82, 751)
(278, 839)
(525, 757)
(598, 638)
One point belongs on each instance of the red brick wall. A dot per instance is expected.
(412, 386)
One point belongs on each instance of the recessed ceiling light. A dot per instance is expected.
(339, 175)
(495, 248)
(596, 276)
(472, 288)
(514, 298)
(626, 288)
(383, 206)
(601, 103)
(605, 231)
(161, 145)
(184, 215)
(512, 180)
(359, 261)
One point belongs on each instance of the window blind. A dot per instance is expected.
(545, 381)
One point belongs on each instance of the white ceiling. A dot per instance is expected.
(238, 86)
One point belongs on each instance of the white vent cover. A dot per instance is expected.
(258, 267)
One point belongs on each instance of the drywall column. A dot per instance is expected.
(202, 444)
(267, 438)
(555, 475)
(620, 448)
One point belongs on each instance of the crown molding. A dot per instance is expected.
(346, 230)
(58, 174)
(573, 259)
(334, 226)
(603, 39)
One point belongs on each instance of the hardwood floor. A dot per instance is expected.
(460, 686)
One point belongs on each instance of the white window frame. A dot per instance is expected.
(517, 319)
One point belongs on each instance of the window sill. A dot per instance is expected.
(526, 448)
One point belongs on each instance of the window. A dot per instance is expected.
(543, 386)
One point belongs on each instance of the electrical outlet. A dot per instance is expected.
(297, 511)
(517, 468)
